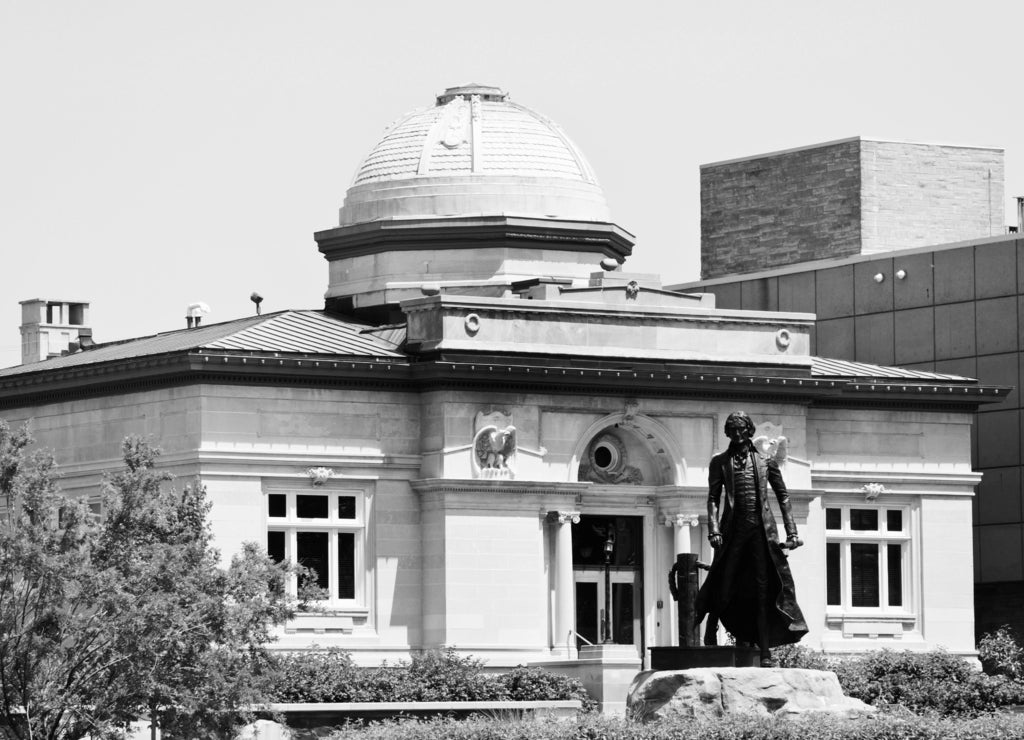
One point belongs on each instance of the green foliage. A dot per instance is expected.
(105, 620)
(1001, 654)
(536, 684)
(331, 676)
(597, 727)
(932, 682)
(798, 656)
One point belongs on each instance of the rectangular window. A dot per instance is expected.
(346, 565)
(895, 574)
(312, 507)
(277, 505)
(275, 546)
(311, 552)
(864, 580)
(324, 532)
(346, 507)
(833, 578)
(864, 520)
(866, 556)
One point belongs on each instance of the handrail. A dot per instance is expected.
(579, 637)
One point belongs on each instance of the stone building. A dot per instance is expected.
(909, 299)
(490, 420)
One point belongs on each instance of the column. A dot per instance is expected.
(681, 525)
(565, 612)
(680, 621)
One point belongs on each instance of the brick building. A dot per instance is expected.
(844, 198)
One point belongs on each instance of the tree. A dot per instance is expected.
(106, 619)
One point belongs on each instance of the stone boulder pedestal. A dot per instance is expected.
(714, 692)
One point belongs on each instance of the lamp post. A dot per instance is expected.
(609, 550)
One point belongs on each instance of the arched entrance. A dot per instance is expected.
(630, 454)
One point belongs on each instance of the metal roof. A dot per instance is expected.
(824, 367)
(293, 332)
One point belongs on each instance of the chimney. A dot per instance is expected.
(49, 327)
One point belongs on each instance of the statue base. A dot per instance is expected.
(713, 692)
(708, 656)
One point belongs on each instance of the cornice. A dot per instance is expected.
(473, 233)
(498, 486)
(517, 308)
(196, 367)
(465, 371)
(855, 479)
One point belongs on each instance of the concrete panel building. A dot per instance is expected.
(492, 437)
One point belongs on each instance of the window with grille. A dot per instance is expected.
(325, 532)
(867, 558)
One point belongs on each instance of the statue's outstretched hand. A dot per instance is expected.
(794, 541)
(715, 540)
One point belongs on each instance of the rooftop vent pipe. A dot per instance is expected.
(194, 313)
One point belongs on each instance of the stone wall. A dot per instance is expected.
(779, 209)
(845, 198)
(916, 195)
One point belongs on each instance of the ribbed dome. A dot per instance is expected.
(474, 152)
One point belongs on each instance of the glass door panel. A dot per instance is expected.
(587, 613)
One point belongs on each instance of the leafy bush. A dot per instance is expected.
(798, 656)
(598, 727)
(328, 676)
(537, 684)
(933, 682)
(331, 676)
(444, 676)
(1001, 654)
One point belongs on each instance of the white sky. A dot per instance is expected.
(157, 153)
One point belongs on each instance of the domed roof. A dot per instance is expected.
(475, 152)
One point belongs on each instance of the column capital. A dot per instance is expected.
(680, 520)
(563, 517)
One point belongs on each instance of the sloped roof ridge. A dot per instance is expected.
(833, 368)
(303, 331)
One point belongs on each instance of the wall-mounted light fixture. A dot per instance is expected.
(901, 274)
(879, 277)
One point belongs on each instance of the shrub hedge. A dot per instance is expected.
(932, 682)
(331, 676)
(1001, 654)
(596, 727)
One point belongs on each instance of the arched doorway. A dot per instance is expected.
(628, 456)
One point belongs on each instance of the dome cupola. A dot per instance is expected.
(474, 152)
(477, 172)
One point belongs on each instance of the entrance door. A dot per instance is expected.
(608, 578)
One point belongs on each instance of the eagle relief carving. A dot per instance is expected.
(494, 445)
(769, 442)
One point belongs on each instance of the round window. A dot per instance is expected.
(606, 455)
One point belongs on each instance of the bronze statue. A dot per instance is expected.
(749, 587)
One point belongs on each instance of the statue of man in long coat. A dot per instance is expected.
(750, 587)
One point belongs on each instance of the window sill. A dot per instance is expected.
(333, 620)
(872, 625)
